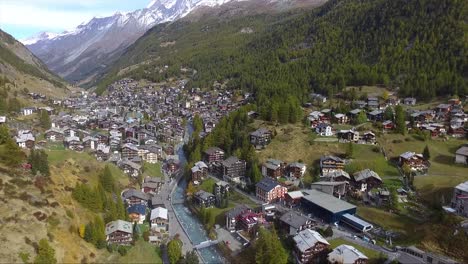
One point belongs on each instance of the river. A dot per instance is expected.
(190, 223)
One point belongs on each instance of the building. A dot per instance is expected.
(232, 216)
(129, 151)
(269, 190)
(325, 206)
(204, 199)
(460, 199)
(366, 180)
(461, 156)
(324, 129)
(336, 188)
(54, 134)
(416, 162)
(213, 154)
(293, 222)
(119, 232)
(233, 169)
(296, 170)
(348, 135)
(199, 171)
(159, 218)
(356, 223)
(137, 213)
(309, 246)
(336, 176)
(260, 137)
(221, 188)
(273, 168)
(330, 164)
(346, 254)
(414, 255)
(409, 101)
(293, 199)
(133, 196)
(152, 185)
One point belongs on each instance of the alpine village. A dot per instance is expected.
(228, 131)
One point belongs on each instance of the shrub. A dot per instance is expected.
(122, 251)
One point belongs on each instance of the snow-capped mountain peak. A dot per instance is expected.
(38, 37)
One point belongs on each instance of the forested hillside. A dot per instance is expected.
(418, 46)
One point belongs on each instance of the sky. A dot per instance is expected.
(25, 18)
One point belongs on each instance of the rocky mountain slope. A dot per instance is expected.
(81, 54)
(25, 70)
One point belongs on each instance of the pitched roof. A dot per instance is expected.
(119, 225)
(462, 186)
(345, 254)
(294, 219)
(462, 151)
(135, 193)
(267, 184)
(308, 238)
(137, 209)
(213, 150)
(365, 174)
(159, 212)
(239, 209)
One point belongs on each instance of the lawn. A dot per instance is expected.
(142, 252)
(443, 173)
(153, 170)
(207, 185)
(371, 254)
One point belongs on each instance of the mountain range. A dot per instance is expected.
(82, 53)
(20, 67)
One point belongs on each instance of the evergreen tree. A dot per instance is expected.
(255, 173)
(107, 180)
(190, 257)
(12, 155)
(388, 114)
(400, 120)
(4, 134)
(426, 153)
(268, 248)
(361, 118)
(44, 120)
(45, 253)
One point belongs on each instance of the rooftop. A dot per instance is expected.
(327, 202)
(308, 238)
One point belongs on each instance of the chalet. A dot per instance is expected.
(416, 162)
(347, 254)
(409, 101)
(25, 139)
(368, 138)
(460, 199)
(293, 199)
(73, 143)
(149, 153)
(269, 190)
(388, 125)
(359, 104)
(3, 119)
(119, 232)
(353, 114)
(132, 197)
(443, 108)
(159, 218)
(318, 98)
(28, 111)
(336, 176)
(221, 188)
(233, 169)
(273, 168)
(90, 143)
(137, 213)
(260, 137)
(204, 199)
(375, 116)
(329, 164)
(293, 222)
(373, 103)
(341, 118)
(309, 246)
(157, 201)
(54, 134)
(233, 216)
(337, 189)
(461, 155)
(199, 171)
(130, 168)
(248, 220)
(70, 132)
(102, 152)
(152, 185)
(213, 154)
(350, 135)
(296, 170)
(129, 151)
(324, 129)
(366, 180)
(172, 166)
(316, 117)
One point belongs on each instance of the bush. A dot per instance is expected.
(122, 251)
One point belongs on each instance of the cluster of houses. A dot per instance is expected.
(444, 119)
(142, 206)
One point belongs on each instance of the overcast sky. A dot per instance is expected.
(24, 18)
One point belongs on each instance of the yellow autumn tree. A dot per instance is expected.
(81, 230)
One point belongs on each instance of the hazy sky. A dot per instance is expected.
(24, 18)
